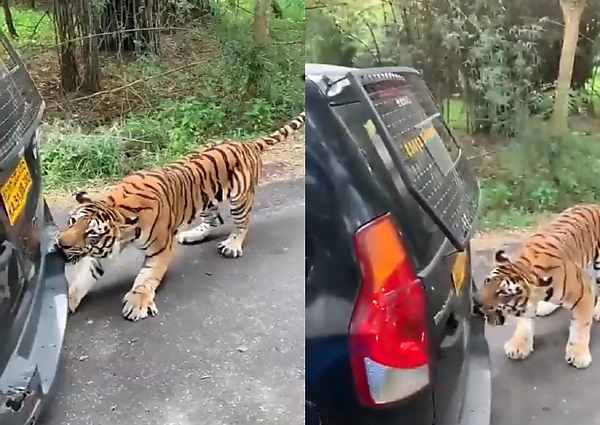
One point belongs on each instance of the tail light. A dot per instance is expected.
(388, 331)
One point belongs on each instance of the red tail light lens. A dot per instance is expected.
(388, 331)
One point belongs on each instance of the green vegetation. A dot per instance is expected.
(35, 28)
(493, 66)
(142, 119)
(538, 173)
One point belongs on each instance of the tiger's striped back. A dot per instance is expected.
(229, 170)
(571, 236)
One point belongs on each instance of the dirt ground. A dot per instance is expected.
(128, 84)
(497, 239)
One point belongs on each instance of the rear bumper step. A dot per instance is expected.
(31, 373)
(477, 406)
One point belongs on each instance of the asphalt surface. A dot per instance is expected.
(542, 389)
(227, 346)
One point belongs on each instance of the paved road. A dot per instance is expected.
(226, 348)
(542, 389)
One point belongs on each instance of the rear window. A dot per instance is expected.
(426, 236)
(431, 164)
(397, 115)
(20, 100)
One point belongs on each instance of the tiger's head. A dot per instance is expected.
(510, 289)
(95, 229)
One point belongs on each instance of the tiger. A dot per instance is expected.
(150, 209)
(549, 272)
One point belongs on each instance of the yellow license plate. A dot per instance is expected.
(459, 271)
(15, 190)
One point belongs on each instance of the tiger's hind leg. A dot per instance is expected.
(545, 308)
(210, 219)
(138, 303)
(578, 346)
(241, 206)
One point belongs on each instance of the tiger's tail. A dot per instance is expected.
(281, 134)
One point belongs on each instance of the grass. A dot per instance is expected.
(538, 174)
(155, 120)
(529, 177)
(455, 114)
(34, 27)
(511, 220)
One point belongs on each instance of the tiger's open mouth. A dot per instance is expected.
(68, 256)
(492, 317)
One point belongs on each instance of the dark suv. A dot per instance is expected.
(390, 210)
(33, 288)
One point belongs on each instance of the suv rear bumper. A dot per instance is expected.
(477, 404)
(31, 373)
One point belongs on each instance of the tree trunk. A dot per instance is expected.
(10, 25)
(260, 25)
(123, 19)
(64, 13)
(260, 38)
(572, 11)
(89, 26)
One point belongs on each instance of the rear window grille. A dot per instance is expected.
(430, 161)
(21, 104)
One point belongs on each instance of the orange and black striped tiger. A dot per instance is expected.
(149, 208)
(550, 269)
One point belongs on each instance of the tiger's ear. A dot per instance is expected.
(82, 197)
(501, 257)
(545, 281)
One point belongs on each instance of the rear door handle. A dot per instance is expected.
(6, 253)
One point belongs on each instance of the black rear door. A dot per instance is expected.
(11, 286)
(20, 220)
(415, 131)
(21, 211)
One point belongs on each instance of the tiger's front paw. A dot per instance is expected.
(138, 304)
(578, 356)
(230, 248)
(517, 349)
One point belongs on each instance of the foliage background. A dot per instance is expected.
(492, 65)
(153, 106)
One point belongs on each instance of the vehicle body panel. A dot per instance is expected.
(34, 324)
(33, 286)
(351, 179)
